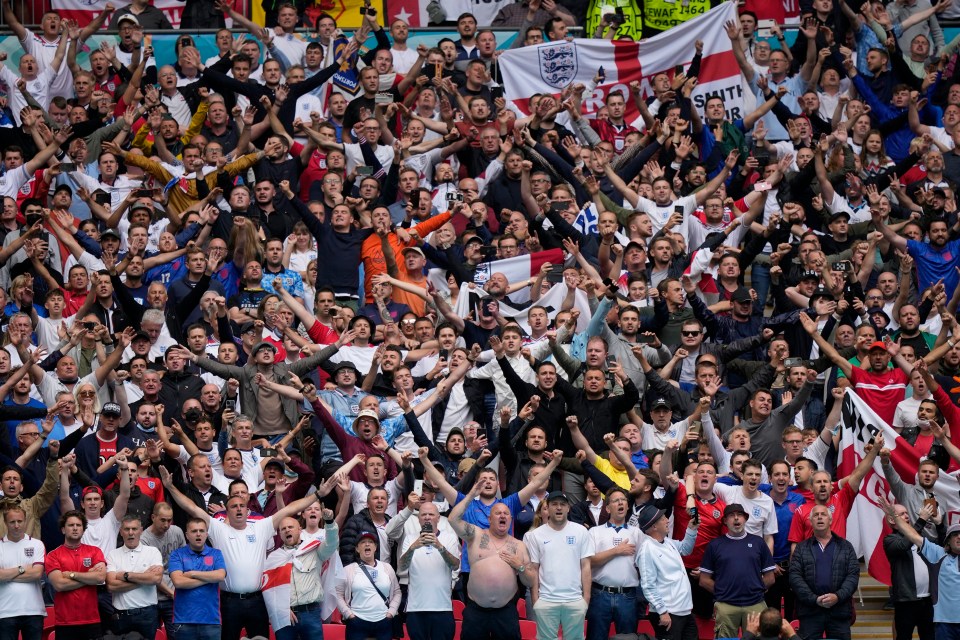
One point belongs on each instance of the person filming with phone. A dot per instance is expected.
(430, 560)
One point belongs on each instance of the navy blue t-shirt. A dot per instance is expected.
(736, 566)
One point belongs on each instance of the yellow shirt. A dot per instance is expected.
(619, 476)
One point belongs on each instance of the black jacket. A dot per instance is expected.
(581, 514)
(352, 528)
(844, 577)
(188, 489)
(903, 578)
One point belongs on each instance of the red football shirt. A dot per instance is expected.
(711, 524)
(882, 391)
(840, 504)
(79, 606)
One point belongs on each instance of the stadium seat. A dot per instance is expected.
(522, 608)
(334, 632)
(528, 630)
(49, 634)
(161, 635)
(458, 608)
(457, 628)
(645, 627)
(336, 618)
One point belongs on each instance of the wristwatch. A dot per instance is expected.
(21, 570)
(73, 576)
(521, 569)
(126, 576)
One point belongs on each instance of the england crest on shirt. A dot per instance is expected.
(251, 538)
(87, 563)
(571, 540)
(28, 552)
(756, 512)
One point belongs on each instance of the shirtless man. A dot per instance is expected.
(497, 559)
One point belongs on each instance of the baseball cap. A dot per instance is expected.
(246, 326)
(742, 294)
(97, 490)
(473, 239)
(140, 205)
(810, 274)
(731, 509)
(465, 465)
(821, 292)
(109, 232)
(659, 403)
(367, 535)
(839, 214)
(558, 495)
(111, 409)
(141, 335)
(952, 529)
(128, 17)
(415, 250)
(877, 344)
(633, 244)
(274, 462)
(64, 187)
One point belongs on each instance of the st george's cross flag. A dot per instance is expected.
(550, 67)
(866, 525)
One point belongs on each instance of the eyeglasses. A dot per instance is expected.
(689, 334)
(87, 394)
(408, 322)
(793, 442)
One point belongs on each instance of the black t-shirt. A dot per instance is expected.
(475, 334)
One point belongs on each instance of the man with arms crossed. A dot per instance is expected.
(75, 569)
(21, 568)
(560, 553)
(497, 559)
(196, 571)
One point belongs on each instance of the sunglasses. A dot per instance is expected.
(690, 334)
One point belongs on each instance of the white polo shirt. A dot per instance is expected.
(244, 552)
(21, 598)
(360, 490)
(430, 574)
(619, 571)
(559, 554)
(102, 533)
(124, 559)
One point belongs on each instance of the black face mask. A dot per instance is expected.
(192, 415)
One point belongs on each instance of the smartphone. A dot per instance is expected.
(68, 166)
(415, 198)
(558, 207)
(642, 338)
(793, 362)
(765, 28)
(438, 71)
(444, 354)
(102, 199)
(364, 170)
(678, 209)
(454, 196)
(383, 98)
(143, 193)
(230, 404)
(762, 186)
(844, 266)
(481, 432)
(555, 275)
(932, 502)
(426, 528)
(611, 361)
(678, 70)
(268, 453)
(89, 326)
(496, 92)
(601, 75)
